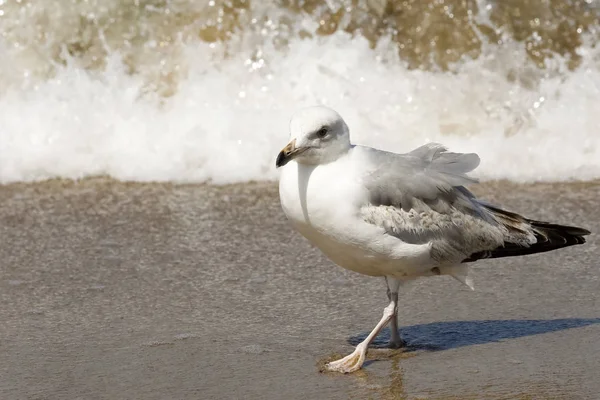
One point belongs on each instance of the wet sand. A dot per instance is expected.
(155, 291)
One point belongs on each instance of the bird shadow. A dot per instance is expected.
(440, 336)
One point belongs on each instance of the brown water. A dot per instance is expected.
(156, 291)
(149, 34)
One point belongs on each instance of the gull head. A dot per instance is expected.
(318, 135)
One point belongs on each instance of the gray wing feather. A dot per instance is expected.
(426, 173)
(419, 197)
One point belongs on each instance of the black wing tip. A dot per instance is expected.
(549, 237)
(565, 229)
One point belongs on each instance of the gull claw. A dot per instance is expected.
(350, 363)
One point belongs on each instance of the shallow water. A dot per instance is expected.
(153, 291)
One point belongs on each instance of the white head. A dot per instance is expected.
(318, 135)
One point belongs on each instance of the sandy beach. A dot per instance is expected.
(157, 291)
(186, 289)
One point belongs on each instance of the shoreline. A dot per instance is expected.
(160, 290)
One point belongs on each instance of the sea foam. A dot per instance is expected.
(227, 117)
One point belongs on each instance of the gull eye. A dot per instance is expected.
(321, 133)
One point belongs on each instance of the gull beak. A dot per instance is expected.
(288, 153)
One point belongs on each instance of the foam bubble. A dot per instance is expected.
(228, 116)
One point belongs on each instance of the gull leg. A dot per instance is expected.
(395, 340)
(354, 361)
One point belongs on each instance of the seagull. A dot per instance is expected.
(396, 216)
